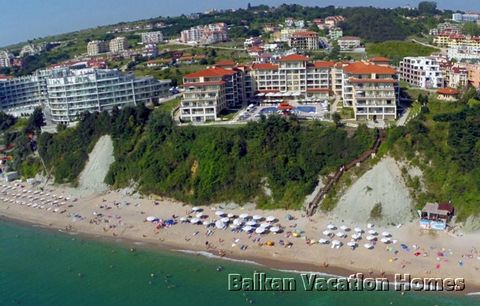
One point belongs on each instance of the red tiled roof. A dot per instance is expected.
(367, 68)
(446, 206)
(294, 58)
(267, 66)
(305, 34)
(225, 63)
(353, 80)
(380, 59)
(323, 64)
(211, 72)
(215, 83)
(448, 91)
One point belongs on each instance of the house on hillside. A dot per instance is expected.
(436, 215)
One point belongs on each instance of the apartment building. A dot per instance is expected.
(371, 90)
(335, 33)
(423, 72)
(5, 58)
(456, 76)
(152, 37)
(349, 43)
(208, 34)
(66, 93)
(118, 45)
(456, 40)
(304, 40)
(459, 17)
(96, 47)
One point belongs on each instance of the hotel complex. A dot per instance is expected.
(421, 72)
(68, 92)
(370, 89)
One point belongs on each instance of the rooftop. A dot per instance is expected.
(368, 68)
(294, 58)
(210, 72)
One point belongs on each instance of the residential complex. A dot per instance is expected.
(118, 45)
(68, 92)
(152, 37)
(304, 40)
(5, 58)
(335, 33)
(370, 89)
(205, 35)
(96, 47)
(349, 43)
(459, 17)
(423, 72)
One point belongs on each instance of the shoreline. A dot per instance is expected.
(301, 258)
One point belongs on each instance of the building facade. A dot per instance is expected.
(66, 93)
(5, 58)
(349, 43)
(96, 47)
(118, 45)
(152, 37)
(208, 34)
(423, 72)
(304, 40)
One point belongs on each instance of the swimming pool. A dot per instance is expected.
(306, 109)
(268, 110)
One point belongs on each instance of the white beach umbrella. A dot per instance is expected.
(352, 244)
(260, 230)
(243, 216)
(358, 230)
(220, 225)
(274, 229)
(247, 228)
(183, 219)
(386, 234)
(200, 215)
(257, 217)
(207, 223)
(336, 243)
(371, 238)
(225, 220)
(230, 215)
(233, 226)
(196, 208)
(368, 246)
(323, 241)
(327, 232)
(344, 228)
(151, 218)
(195, 221)
(372, 232)
(356, 236)
(251, 223)
(340, 234)
(219, 213)
(370, 225)
(265, 225)
(237, 222)
(270, 219)
(331, 227)
(385, 240)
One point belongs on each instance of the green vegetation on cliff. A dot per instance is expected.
(444, 141)
(202, 165)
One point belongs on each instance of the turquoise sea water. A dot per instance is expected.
(39, 267)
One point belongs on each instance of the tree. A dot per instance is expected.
(36, 121)
(336, 119)
(427, 8)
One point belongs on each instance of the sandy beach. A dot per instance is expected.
(116, 216)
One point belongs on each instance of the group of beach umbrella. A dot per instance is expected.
(32, 198)
(372, 236)
(251, 224)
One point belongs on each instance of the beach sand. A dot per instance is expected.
(126, 220)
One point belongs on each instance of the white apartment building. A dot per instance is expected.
(118, 45)
(208, 34)
(67, 93)
(96, 47)
(423, 72)
(304, 40)
(5, 58)
(371, 90)
(349, 43)
(152, 37)
(335, 33)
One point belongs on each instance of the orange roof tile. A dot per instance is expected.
(353, 80)
(215, 83)
(225, 63)
(367, 68)
(380, 59)
(266, 66)
(294, 58)
(305, 34)
(448, 91)
(211, 72)
(323, 64)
